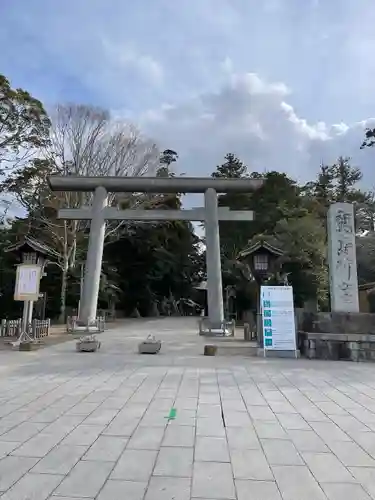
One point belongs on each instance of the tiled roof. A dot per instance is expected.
(34, 245)
(261, 244)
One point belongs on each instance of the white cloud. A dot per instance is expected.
(131, 58)
(255, 119)
(227, 65)
(324, 50)
(317, 131)
(126, 57)
(253, 84)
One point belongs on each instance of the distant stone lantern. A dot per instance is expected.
(32, 255)
(264, 260)
(260, 263)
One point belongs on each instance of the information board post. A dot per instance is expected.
(30, 311)
(27, 290)
(278, 321)
(25, 318)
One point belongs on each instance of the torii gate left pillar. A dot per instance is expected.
(93, 267)
(213, 259)
(99, 212)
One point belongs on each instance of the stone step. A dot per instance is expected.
(278, 354)
(238, 349)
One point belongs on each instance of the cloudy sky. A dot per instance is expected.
(285, 84)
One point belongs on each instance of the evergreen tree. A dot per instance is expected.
(233, 168)
(369, 140)
(24, 126)
(322, 189)
(167, 157)
(346, 178)
(339, 183)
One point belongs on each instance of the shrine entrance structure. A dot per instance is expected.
(99, 212)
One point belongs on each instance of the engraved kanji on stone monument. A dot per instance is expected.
(344, 221)
(342, 258)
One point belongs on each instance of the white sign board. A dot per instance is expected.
(342, 258)
(277, 307)
(27, 282)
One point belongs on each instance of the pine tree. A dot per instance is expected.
(167, 157)
(233, 168)
(324, 187)
(338, 183)
(346, 177)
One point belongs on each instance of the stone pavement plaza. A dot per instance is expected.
(80, 426)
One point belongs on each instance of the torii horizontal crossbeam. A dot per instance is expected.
(152, 184)
(195, 214)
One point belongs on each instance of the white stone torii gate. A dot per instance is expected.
(99, 212)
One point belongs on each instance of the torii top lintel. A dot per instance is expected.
(153, 184)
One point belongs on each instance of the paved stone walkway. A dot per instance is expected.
(94, 426)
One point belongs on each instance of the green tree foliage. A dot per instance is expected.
(294, 217)
(346, 177)
(339, 183)
(369, 140)
(320, 192)
(24, 125)
(366, 258)
(156, 261)
(276, 199)
(335, 183)
(147, 265)
(167, 157)
(85, 141)
(8, 263)
(303, 240)
(232, 168)
(277, 205)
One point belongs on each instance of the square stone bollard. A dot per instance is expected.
(149, 346)
(89, 343)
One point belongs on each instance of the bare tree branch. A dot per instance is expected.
(84, 141)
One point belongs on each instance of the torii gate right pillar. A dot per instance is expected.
(213, 260)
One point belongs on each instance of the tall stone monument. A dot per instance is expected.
(342, 258)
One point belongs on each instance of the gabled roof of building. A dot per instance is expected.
(254, 247)
(201, 286)
(367, 286)
(34, 245)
